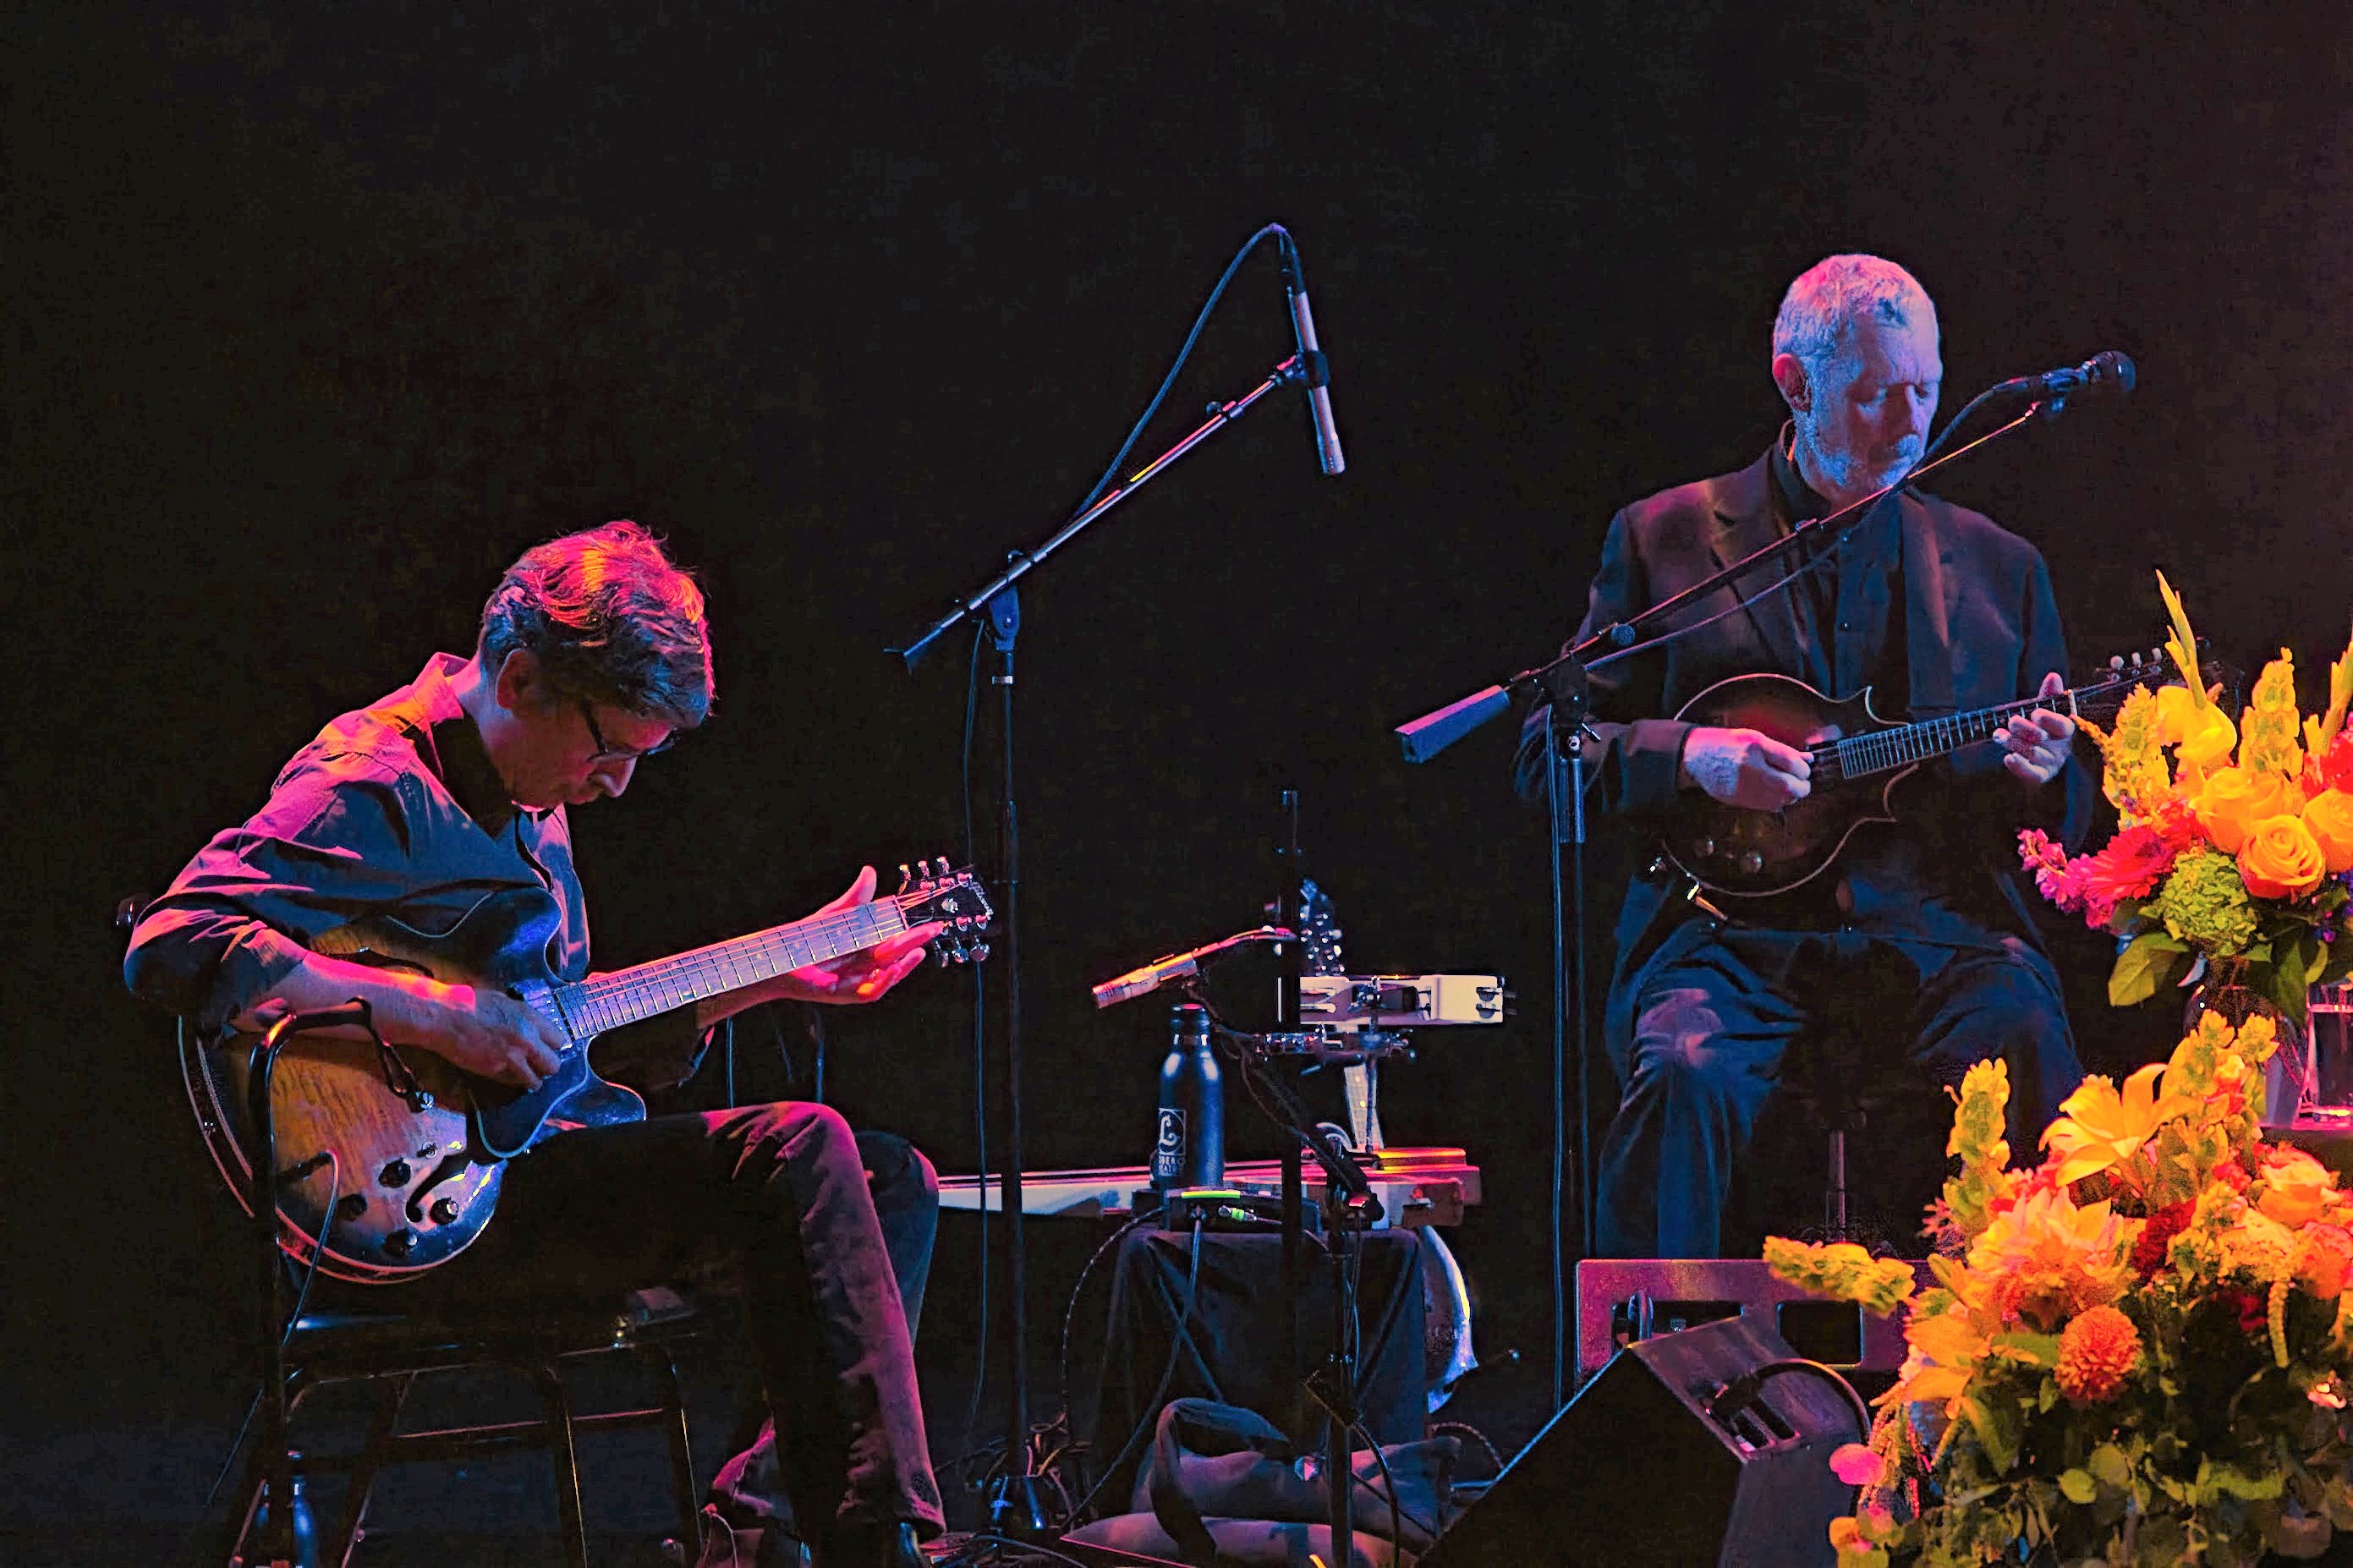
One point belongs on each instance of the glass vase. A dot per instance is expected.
(2288, 1085)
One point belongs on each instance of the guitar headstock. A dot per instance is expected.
(929, 891)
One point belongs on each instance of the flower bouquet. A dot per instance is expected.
(2137, 1352)
(2235, 844)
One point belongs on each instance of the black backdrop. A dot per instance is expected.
(314, 319)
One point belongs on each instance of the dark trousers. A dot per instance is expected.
(1716, 1015)
(779, 1194)
(749, 1489)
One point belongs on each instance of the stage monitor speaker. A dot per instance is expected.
(1636, 1472)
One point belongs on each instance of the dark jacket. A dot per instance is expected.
(1980, 627)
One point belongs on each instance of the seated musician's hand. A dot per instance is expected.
(857, 976)
(1745, 768)
(485, 1031)
(2038, 743)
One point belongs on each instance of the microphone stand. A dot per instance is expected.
(1018, 1507)
(1563, 685)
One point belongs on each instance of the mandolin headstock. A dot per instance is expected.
(930, 891)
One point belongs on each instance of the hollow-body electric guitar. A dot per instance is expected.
(389, 1158)
(1858, 759)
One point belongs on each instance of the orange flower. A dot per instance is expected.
(2097, 1351)
(2296, 1187)
(2324, 1260)
(2329, 817)
(2279, 858)
(2234, 799)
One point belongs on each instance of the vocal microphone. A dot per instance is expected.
(2111, 372)
(1311, 362)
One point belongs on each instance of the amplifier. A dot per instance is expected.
(1622, 1302)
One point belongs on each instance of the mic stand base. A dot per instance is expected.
(1018, 1508)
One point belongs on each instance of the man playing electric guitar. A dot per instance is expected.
(1916, 934)
(593, 656)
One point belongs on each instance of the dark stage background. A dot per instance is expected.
(316, 318)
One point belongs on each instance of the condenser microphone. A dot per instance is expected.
(2111, 372)
(1312, 363)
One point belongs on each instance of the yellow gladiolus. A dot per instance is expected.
(2199, 732)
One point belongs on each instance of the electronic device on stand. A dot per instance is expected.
(1325, 1017)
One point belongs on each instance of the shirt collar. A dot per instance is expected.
(452, 746)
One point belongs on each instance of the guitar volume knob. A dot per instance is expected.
(401, 1242)
(1704, 848)
(1752, 862)
(444, 1211)
(395, 1174)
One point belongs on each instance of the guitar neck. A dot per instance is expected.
(1901, 745)
(627, 996)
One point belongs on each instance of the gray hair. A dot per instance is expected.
(1839, 290)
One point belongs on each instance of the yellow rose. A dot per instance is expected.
(2296, 1188)
(2329, 817)
(2233, 800)
(2199, 732)
(2280, 858)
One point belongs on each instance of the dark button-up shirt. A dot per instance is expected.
(394, 808)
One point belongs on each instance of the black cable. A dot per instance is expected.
(1743, 1391)
(1560, 1079)
(995, 1539)
(1183, 353)
(1070, 1309)
(1388, 1479)
(1148, 1419)
(1495, 1454)
(301, 1300)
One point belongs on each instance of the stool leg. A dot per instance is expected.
(381, 1427)
(562, 1454)
(682, 1456)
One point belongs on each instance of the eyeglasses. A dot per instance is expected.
(606, 752)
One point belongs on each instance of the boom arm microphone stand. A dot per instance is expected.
(1018, 1507)
(1563, 685)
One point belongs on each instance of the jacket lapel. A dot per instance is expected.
(1744, 523)
(1928, 619)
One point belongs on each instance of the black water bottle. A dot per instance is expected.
(1190, 1151)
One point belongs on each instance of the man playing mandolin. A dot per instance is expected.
(593, 656)
(1915, 936)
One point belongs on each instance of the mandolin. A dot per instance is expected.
(390, 1157)
(1858, 759)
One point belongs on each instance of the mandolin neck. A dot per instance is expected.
(605, 1002)
(1902, 745)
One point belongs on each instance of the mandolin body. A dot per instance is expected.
(1745, 854)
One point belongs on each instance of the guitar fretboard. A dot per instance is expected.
(627, 995)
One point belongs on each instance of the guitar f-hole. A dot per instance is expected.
(449, 1166)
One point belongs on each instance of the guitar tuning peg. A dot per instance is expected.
(979, 952)
(940, 866)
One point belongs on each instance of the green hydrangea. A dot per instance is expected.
(2204, 903)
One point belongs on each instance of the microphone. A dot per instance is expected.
(2111, 372)
(1312, 362)
(1180, 966)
